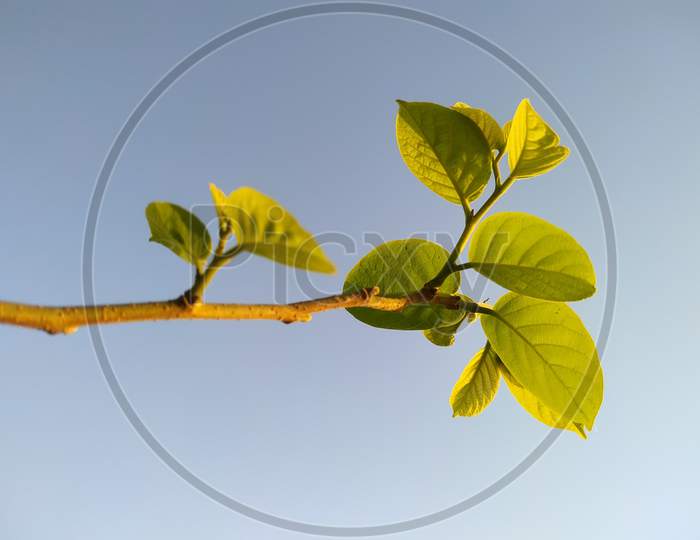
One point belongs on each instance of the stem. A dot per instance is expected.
(472, 219)
(449, 266)
(463, 266)
(195, 294)
(497, 194)
(496, 169)
(67, 319)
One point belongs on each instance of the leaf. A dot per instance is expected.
(536, 408)
(444, 336)
(549, 352)
(488, 125)
(264, 227)
(506, 130)
(180, 231)
(478, 384)
(400, 268)
(446, 150)
(529, 255)
(533, 147)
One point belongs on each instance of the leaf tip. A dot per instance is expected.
(580, 431)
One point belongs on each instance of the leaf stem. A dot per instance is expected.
(221, 257)
(472, 219)
(463, 266)
(496, 169)
(195, 295)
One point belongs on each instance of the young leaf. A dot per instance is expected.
(444, 336)
(180, 231)
(549, 352)
(446, 150)
(488, 125)
(400, 268)
(536, 408)
(533, 147)
(478, 384)
(529, 255)
(264, 227)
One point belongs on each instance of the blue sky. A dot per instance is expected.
(334, 422)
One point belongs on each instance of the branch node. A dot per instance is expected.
(368, 294)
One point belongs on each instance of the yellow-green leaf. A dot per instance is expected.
(488, 125)
(529, 255)
(506, 130)
(477, 385)
(400, 268)
(180, 231)
(446, 150)
(536, 408)
(533, 147)
(550, 353)
(264, 227)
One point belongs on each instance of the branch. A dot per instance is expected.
(67, 319)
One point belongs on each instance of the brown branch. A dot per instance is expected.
(67, 319)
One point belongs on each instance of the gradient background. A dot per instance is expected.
(334, 422)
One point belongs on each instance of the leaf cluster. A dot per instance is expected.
(535, 342)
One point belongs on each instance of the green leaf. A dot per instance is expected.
(506, 130)
(529, 255)
(400, 268)
(446, 150)
(533, 147)
(444, 336)
(549, 352)
(536, 408)
(478, 384)
(264, 227)
(180, 231)
(488, 125)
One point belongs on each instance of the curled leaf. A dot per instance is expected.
(533, 147)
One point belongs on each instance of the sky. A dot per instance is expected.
(332, 422)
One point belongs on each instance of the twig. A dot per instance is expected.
(67, 319)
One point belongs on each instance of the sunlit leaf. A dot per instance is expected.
(533, 147)
(529, 255)
(446, 150)
(180, 231)
(400, 268)
(550, 353)
(478, 384)
(536, 408)
(488, 125)
(264, 227)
